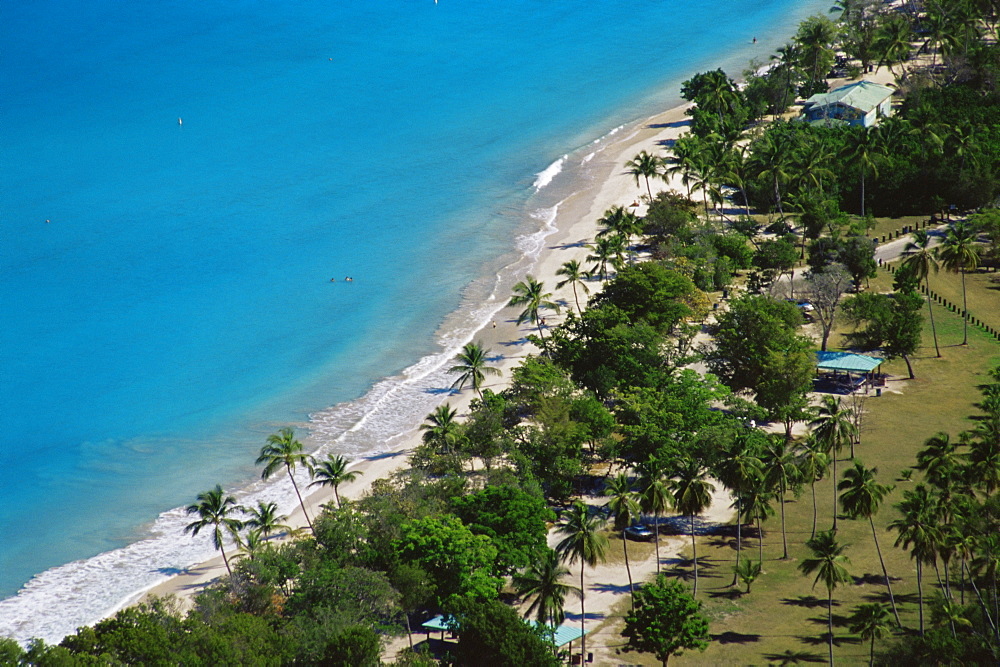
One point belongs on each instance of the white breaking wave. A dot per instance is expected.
(545, 177)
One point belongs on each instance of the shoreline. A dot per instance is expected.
(573, 226)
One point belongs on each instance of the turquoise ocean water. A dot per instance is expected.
(166, 291)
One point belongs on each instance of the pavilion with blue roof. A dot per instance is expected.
(563, 635)
(857, 369)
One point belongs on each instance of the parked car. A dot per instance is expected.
(640, 533)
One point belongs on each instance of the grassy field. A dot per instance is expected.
(783, 619)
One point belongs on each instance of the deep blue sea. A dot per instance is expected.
(182, 180)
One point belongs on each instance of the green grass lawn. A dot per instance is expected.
(784, 617)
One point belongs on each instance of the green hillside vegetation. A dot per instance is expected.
(612, 408)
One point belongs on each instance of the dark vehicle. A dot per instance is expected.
(640, 533)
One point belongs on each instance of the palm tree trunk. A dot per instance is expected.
(225, 560)
(628, 569)
(739, 538)
(336, 495)
(784, 537)
(576, 297)
(656, 539)
(760, 542)
(301, 502)
(813, 534)
(920, 594)
(648, 190)
(871, 659)
(583, 616)
(538, 323)
(829, 620)
(694, 554)
(930, 309)
(862, 192)
(834, 451)
(965, 312)
(885, 572)
(409, 632)
(982, 603)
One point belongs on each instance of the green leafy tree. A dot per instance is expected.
(283, 450)
(472, 367)
(828, 561)
(214, 508)
(666, 621)
(583, 541)
(692, 495)
(650, 293)
(460, 563)
(892, 323)
(871, 621)
(491, 633)
(542, 583)
(861, 495)
(333, 472)
(958, 253)
(921, 261)
(531, 294)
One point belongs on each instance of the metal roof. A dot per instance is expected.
(847, 361)
(564, 633)
(863, 95)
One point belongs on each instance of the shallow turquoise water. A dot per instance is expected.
(177, 305)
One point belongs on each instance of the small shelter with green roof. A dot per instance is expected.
(861, 103)
(848, 370)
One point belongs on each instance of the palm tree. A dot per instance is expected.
(624, 506)
(780, 470)
(756, 505)
(938, 459)
(574, 275)
(892, 40)
(829, 563)
(739, 469)
(442, 430)
(861, 497)
(647, 166)
(958, 253)
(333, 472)
(213, 509)
(920, 259)
(472, 366)
(834, 427)
(606, 250)
(251, 544)
(871, 621)
(532, 295)
(919, 532)
(654, 497)
(265, 518)
(542, 580)
(583, 542)
(862, 147)
(748, 571)
(772, 162)
(284, 450)
(692, 495)
(813, 464)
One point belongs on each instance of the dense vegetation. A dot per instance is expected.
(611, 404)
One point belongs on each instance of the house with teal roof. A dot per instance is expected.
(861, 103)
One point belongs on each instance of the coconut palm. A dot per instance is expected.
(250, 544)
(861, 149)
(607, 250)
(780, 471)
(958, 253)
(583, 542)
(574, 275)
(214, 509)
(739, 469)
(283, 450)
(892, 40)
(442, 430)
(921, 261)
(532, 295)
(829, 563)
(871, 621)
(265, 518)
(756, 505)
(645, 165)
(654, 497)
(772, 161)
(834, 427)
(623, 503)
(333, 472)
(692, 494)
(861, 497)
(748, 571)
(542, 582)
(938, 459)
(919, 532)
(472, 366)
(813, 464)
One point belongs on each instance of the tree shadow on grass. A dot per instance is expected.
(883, 597)
(735, 638)
(822, 640)
(610, 588)
(790, 657)
(729, 594)
(808, 601)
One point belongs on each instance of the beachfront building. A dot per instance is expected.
(861, 103)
